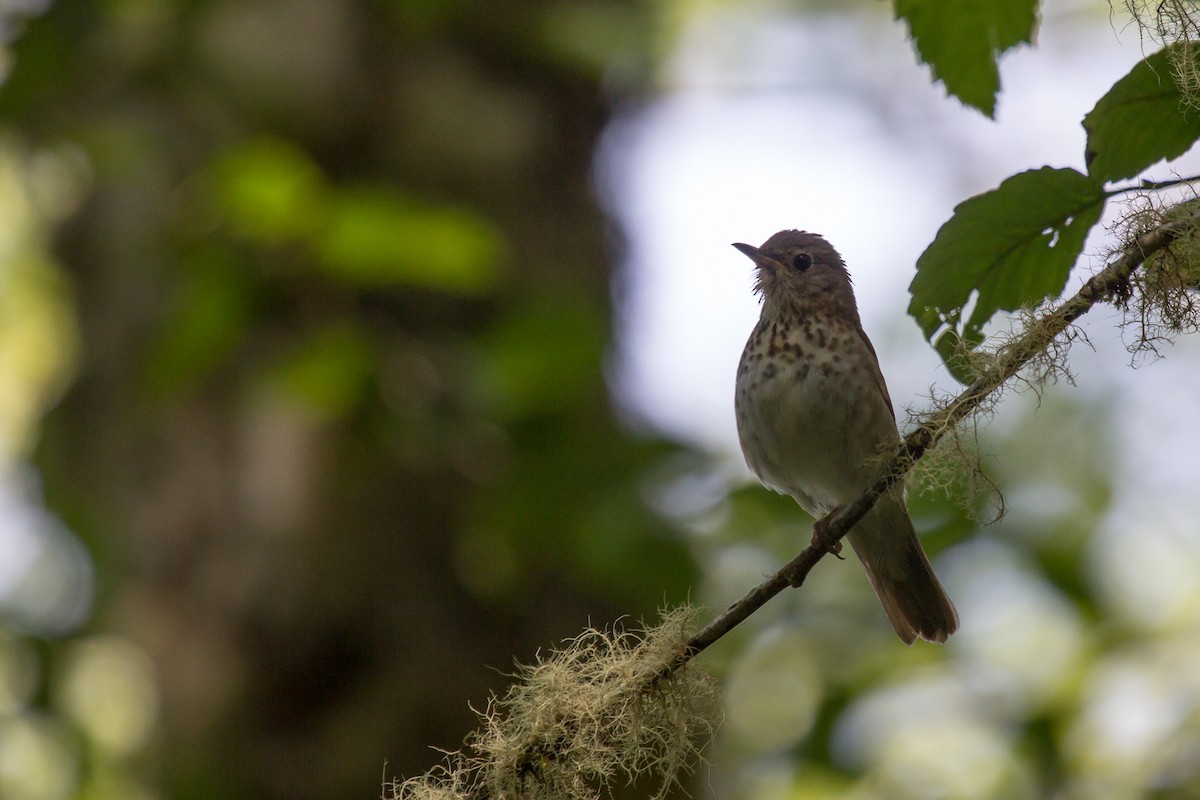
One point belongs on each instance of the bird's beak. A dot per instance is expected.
(756, 255)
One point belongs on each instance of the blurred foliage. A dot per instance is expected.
(338, 440)
(272, 193)
(38, 337)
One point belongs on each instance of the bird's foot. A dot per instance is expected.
(823, 540)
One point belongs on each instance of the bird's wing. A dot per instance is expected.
(875, 369)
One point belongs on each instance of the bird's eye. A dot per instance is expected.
(802, 261)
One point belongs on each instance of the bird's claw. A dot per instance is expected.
(821, 538)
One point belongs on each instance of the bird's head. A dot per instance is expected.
(801, 271)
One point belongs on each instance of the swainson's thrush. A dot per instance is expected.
(814, 414)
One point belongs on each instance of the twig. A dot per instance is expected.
(1146, 185)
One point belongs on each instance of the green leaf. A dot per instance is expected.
(953, 348)
(270, 190)
(375, 237)
(1010, 248)
(1143, 118)
(962, 39)
(211, 315)
(328, 371)
(543, 357)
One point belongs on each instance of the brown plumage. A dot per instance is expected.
(813, 411)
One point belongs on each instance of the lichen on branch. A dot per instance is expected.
(607, 706)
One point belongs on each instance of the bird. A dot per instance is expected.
(814, 414)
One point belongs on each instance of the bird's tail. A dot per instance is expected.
(899, 571)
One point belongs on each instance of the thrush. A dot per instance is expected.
(814, 415)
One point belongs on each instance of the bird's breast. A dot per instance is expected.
(809, 416)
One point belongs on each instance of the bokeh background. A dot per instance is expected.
(351, 350)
